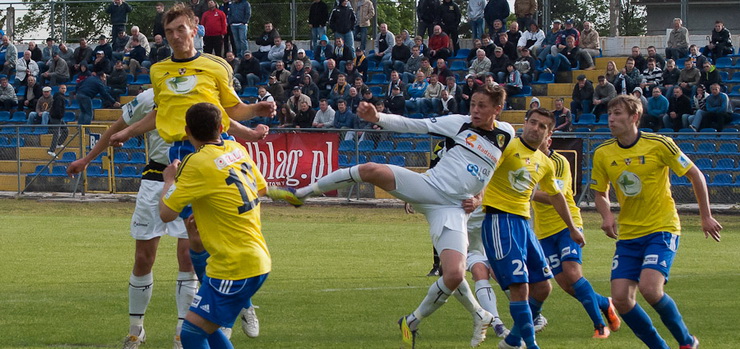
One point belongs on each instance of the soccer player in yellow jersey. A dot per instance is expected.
(513, 251)
(637, 163)
(564, 254)
(223, 184)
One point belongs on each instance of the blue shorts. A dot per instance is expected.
(559, 248)
(654, 251)
(180, 149)
(220, 301)
(513, 251)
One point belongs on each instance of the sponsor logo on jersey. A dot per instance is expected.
(500, 140)
(170, 190)
(228, 158)
(137, 224)
(206, 308)
(614, 163)
(565, 251)
(520, 179)
(560, 184)
(181, 84)
(470, 139)
(196, 301)
(629, 183)
(650, 259)
(683, 160)
(627, 161)
(663, 264)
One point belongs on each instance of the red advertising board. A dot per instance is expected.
(295, 159)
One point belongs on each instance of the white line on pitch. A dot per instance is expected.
(370, 288)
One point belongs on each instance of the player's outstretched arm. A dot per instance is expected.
(165, 213)
(79, 165)
(541, 197)
(250, 135)
(243, 111)
(561, 206)
(608, 224)
(709, 225)
(367, 112)
(148, 123)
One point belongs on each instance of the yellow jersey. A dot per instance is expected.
(178, 84)
(639, 173)
(547, 221)
(222, 183)
(520, 169)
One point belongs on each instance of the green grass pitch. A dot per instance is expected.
(342, 276)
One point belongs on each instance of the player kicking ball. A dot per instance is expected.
(478, 142)
(564, 254)
(648, 230)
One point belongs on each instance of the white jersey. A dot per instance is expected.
(471, 153)
(136, 110)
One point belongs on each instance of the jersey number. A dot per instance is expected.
(554, 261)
(234, 179)
(519, 267)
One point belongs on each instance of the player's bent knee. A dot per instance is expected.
(651, 292)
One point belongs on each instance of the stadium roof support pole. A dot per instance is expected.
(375, 21)
(685, 12)
(52, 28)
(614, 10)
(293, 19)
(546, 13)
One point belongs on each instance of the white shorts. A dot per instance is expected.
(145, 223)
(446, 217)
(476, 252)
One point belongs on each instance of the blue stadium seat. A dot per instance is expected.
(362, 159)
(545, 78)
(69, 116)
(377, 79)
(423, 147)
(4, 116)
(309, 54)
(735, 92)
(343, 160)
(728, 148)
(138, 158)
(462, 53)
(459, 66)
(679, 181)
(347, 145)
(130, 78)
(404, 146)
(377, 91)
(725, 164)
(130, 172)
(59, 171)
(99, 159)
(249, 92)
(366, 146)
(586, 119)
(25, 130)
(723, 62)
(730, 133)
(526, 91)
(397, 160)
(687, 148)
(97, 103)
(735, 77)
(379, 159)
(41, 170)
(96, 171)
(703, 163)
(19, 117)
(68, 157)
(706, 148)
(721, 180)
(121, 158)
(416, 116)
(384, 146)
(143, 79)
(132, 143)
(723, 75)
(662, 130)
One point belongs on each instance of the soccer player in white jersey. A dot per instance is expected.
(147, 227)
(438, 193)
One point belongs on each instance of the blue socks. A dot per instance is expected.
(673, 320)
(535, 307)
(639, 321)
(199, 263)
(591, 300)
(194, 337)
(522, 314)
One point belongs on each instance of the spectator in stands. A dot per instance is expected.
(653, 53)
(286, 117)
(240, 13)
(448, 104)
(471, 85)
(695, 54)
(365, 13)
(318, 15)
(412, 65)
(282, 75)
(343, 118)
(58, 71)
(342, 52)
(423, 48)
(304, 117)
(416, 92)
(559, 61)
(160, 50)
(225, 7)
(550, 39)
(24, 68)
(400, 54)
(86, 91)
(490, 81)
(531, 39)
(430, 102)
(383, 47)
(59, 134)
(477, 44)
(248, 72)
(453, 89)
(561, 41)
(508, 46)
(351, 72)
(321, 53)
(720, 44)
(448, 17)
(709, 76)
(698, 101)
(199, 7)
(11, 55)
(290, 54)
(678, 41)
(263, 96)
(396, 103)
(118, 44)
(689, 77)
(442, 71)
(101, 64)
(498, 64)
(582, 96)
(118, 81)
(296, 74)
(274, 56)
(354, 99)
(158, 25)
(30, 97)
(526, 65)
(717, 113)
(576, 57)
(342, 21)
(136, 58)
(40, 114)
(8, 99)
(324, 116)
(514, 34)
(426, 12)
(512, 83)
(481, 66)
(629, 77)
(82, 55)
(367, 96)
(360, 63)
(670, 76)
(408, 40)
(656, 111)
(439, 44)
(525, 11)
(214, 20)
(275, 89)
(36, 54)
(612, 73)
(476, 10)
(604, 92)
(498, 29)
(652, 76)
(496, 9)
(296, 98)
(104, 46)
(590, 42)
(50, 48)
(265, 42)
(301, 56)
(118, 11)
(534, 103)
(340, 89)
(359, 85)
(143, 41)
(328, 79)
(563, 116)
(679, 110)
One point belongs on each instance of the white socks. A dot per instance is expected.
(436, 296)
(187, 286)
(465, 296)
(139, 294)
(338, 179)
(486, 296)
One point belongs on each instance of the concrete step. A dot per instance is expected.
(9, 182)
(27, 166)
(591, 75)
(513, 116)
(126, 99)
(34, 153)
(107, 114)
(74, 143)
(560, 89)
